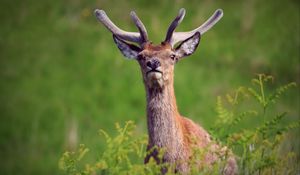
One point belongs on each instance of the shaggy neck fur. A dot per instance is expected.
(163, 119)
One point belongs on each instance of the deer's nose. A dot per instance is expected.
(153, 64)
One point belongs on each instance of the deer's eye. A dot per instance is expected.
(173, 57)
(141, 57)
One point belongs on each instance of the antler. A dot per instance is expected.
(174, 24)
(173, 38)
(140, 26)
(136, 37)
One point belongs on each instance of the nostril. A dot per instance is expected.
(149, 64)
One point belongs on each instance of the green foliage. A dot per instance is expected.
(69, 160)
(258, 150)
(123, 154)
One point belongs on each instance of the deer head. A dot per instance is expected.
(157, 61)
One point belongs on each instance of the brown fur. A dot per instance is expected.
(151, 47)
(166, 127)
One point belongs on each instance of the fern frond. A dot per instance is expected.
(256, 96)
(279, 91)
(291, 126)
(82, 151)
(107, 137)
(224, 116)
(242, 115)
(271, 125)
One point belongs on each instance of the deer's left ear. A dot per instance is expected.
(128, 50)
(188, 46)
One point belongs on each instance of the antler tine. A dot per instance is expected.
(174, 24)
(140, 26)
(180, 36)
(129, 36)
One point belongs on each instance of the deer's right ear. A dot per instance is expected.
(128, 50)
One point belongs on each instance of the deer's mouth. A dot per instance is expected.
(154, 74)
(153, 71)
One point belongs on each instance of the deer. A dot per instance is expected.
(167, 129)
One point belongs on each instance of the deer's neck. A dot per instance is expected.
(163, 118)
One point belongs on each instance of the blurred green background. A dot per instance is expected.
(62, 77)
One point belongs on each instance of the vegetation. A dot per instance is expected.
(62, 78)
(258, 149)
